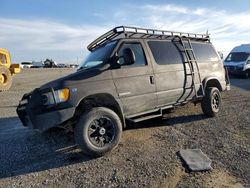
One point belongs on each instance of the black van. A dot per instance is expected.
(131, 74)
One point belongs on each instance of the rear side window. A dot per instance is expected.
(165, 52)
(204, 52)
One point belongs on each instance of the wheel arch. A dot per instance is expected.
(100, 100)
(212, 82)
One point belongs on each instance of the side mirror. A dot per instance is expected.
(128, 56)
(114, 62)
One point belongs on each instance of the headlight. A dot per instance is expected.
(59, 96)
(240, 66)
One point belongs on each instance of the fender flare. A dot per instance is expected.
(213, 80)
(116, 101)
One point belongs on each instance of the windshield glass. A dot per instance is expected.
(97, 56)
(237, 57)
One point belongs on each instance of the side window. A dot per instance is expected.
(3, 59)
(165, 52)
(204, 52)
(140, 59)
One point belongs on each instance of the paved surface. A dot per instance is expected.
(146, 156)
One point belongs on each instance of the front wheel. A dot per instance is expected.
(211, 102)
(98, 131)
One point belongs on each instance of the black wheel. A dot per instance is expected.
(98, 131)
(5, 78)
(211, 102)
(246, 74)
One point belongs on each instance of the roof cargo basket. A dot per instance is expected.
(142, 33)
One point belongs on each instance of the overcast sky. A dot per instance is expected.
(61, 29)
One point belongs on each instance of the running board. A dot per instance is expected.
(143, 118)
(148, 114)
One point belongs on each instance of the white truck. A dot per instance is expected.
(25, 65)
(238, 61)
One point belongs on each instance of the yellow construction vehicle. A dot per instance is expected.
(7, 70)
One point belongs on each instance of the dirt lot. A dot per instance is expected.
(146, 156)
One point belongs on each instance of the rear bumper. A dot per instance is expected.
(33, 117)
(227, 88)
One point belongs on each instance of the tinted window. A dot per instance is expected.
(140, 59)
(204, 52)
(165, 52)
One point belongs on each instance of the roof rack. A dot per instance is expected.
(142, 33)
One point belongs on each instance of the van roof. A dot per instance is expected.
(242, 48)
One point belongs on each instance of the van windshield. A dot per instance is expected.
(237, 57)
(97, 56)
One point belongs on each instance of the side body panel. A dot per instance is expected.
(135, 86)
(100, 83)
(211, 68)
(169, 80)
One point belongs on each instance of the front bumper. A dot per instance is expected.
(34, 115)
(234, 70)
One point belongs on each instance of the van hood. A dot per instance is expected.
(81, 76)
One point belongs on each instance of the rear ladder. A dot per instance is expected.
(189, 59)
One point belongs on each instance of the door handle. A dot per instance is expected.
(152, 79)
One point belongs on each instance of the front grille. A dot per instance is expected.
(234, 68)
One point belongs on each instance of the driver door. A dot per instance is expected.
(135, 83)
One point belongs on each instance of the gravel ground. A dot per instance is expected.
(147, 155)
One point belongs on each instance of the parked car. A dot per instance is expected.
(61, 65)
(73, 66)
(131, 74)
(238, 61)
(24, 65)
(37, 64)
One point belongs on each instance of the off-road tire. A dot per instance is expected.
(211, 102)
(85, 123)
(5, 78)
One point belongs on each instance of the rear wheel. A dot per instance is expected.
(98, 131)
(5, 78)
(211, 102)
